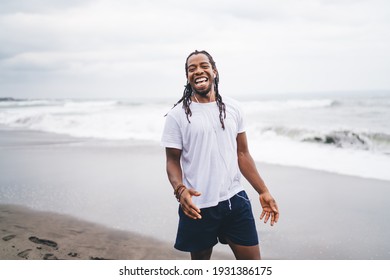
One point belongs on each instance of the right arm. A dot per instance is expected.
(175, 176)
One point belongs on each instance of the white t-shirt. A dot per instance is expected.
(209, 153)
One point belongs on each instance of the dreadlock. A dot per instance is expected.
(187, 93)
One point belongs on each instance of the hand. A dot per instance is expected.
(187, 206)
(270, 208)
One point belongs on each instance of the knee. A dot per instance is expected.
(202, 255)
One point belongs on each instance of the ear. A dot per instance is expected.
(215, 73)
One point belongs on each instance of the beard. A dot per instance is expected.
(203, 92)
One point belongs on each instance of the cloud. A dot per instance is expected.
(37, 6)
(302, 45)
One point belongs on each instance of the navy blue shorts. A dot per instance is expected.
(231, 219)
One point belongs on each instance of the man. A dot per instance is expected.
(206, 153)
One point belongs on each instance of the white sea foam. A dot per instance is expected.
(282, 105)
(97, 120)
(347, 136)
(272, 148)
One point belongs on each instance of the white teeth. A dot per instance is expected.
(200, 80)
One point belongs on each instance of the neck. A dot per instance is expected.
(210, 97)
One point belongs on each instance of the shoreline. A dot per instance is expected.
(8, 140)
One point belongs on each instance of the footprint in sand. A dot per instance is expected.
(96, 258)
(9, 237)
(49, 257)
(24, 254)
(43, 241)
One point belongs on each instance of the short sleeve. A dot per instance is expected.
(172, 137)
(241, 119)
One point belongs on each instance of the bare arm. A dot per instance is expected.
(175, 176)
(173, 166)
(249, 170)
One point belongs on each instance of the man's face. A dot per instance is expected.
(200, 74)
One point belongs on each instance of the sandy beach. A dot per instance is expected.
(70, 198)
(32, 235)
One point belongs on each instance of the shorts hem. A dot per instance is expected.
(240, 243)
(189, 250)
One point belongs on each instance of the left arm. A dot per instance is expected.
(249, 170)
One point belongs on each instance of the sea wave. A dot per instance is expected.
(344, 136)
(282, 105)
(8, 99)
(355, 162)
(348, 139)
(87, 105)
(9, 102)
(91, 119)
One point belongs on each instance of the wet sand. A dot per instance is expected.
(117, 194)
(32, 235)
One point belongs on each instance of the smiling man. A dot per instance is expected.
(206, 152)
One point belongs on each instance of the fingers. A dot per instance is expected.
(187, 206)
(191, 211)
(274, 218)
(193, 192)
(270, 209)
(262, 215)
(274, 215)
(266, 215)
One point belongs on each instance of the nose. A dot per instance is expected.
(199, 71)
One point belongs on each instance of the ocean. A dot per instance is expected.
(345, 133)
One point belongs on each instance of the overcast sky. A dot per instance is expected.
(128, 49)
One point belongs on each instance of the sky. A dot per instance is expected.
(131, 49)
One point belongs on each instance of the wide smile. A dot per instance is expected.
(201, 80)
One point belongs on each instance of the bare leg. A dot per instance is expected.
(245, 252)
(202, 255)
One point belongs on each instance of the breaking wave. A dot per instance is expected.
(348, 136)
(372, 141)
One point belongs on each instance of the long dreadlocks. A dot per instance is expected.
(187, 93)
